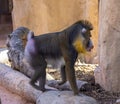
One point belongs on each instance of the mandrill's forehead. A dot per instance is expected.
(86, 24)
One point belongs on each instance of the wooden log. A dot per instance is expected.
(17, 83)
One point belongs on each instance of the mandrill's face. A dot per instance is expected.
(83, 42)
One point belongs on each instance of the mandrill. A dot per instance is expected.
(59, 49)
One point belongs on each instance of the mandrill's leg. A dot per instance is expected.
(70, 59)
(42, 78)
(40, 74)
(63, 75)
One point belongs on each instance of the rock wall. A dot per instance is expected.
(43, 16)
(108, 74)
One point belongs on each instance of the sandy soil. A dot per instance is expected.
(8, 97)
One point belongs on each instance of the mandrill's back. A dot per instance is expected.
(49, 45)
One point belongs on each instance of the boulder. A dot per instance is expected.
(64, 97)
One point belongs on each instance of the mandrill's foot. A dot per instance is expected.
(79, 94)
(61, 82)
(37, 87)
(76, 93)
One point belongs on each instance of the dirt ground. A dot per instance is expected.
(85, 72)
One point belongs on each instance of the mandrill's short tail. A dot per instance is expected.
(30, 47)
(30, 35)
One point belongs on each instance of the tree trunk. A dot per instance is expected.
(16, 43)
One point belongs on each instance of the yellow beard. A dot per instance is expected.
(78, 46)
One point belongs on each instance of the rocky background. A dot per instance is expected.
(42, 16)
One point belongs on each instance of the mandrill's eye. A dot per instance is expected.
(87, 35)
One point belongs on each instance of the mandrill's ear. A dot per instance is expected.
(84, 30)
(30, 35)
